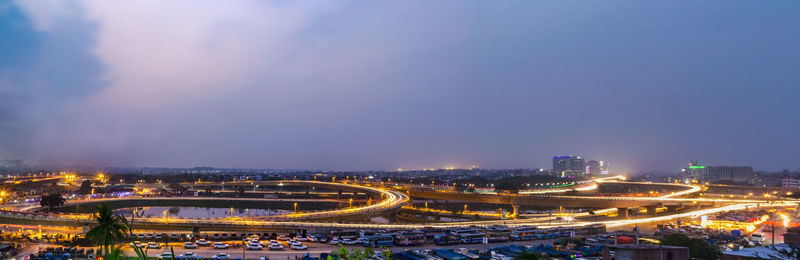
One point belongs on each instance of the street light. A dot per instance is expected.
(295, 207)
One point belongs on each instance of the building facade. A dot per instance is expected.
(569, 165)
(10, 164)
(703, 173)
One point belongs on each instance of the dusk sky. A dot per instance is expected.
(352, 85)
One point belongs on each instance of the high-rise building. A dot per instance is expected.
(569, 165)
(11, 164)
(593, 167)
(603, 167)
(699, 172)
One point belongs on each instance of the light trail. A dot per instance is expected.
(397, 199)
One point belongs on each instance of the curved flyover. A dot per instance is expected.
(390, 200)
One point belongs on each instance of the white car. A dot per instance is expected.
(263, 258)
(165, 255)
(137, 244)
(220, 245)
(276, 247)
(203, 242)
(335, 241)
(222, 256)
(189, 245)
(283, 238)
(293, 242)
(256, 242)
(302, 239)
(153, 245)
(188, 255)
(349, 242)
(254, 247)
(274, 242)
(299, 247)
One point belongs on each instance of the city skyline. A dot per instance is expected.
(358, 86)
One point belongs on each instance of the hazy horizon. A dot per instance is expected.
(353, 85)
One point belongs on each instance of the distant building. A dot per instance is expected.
(593, 167)
(568, 165)
(792, 236)
(10, 164)
(648, 252)
(700, 172)
(790, 182)
(603, 167)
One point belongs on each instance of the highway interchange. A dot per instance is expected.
(393, 198)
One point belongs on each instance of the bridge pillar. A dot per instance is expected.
(673, 207)
(339, 196)
(622, 212)
(651, 210)
(355, 195)
(307, 192)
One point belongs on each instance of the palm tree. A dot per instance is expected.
(115, 253)
(110, 228)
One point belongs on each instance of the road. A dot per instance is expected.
(313, 248)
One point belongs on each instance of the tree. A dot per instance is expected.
(460, 187)
(698, 248)
(527, 256)
(115, 253)
(52, 200)
(509, 186)
(110, 228)
(176, 187)
(86, 187)
(387, 254)
(369, 252)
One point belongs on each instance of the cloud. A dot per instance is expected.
(344, 85)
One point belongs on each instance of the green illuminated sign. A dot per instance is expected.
(697, 167)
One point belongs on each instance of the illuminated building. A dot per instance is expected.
(593, 167)
(568, 165)
(790, 182)
(603, 167)
(700, 172)
(10, 164)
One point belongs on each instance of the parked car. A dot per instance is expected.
(254, 247)
(335, 241)
(189, 245)
(222, 256)
(153, 245)
(220, 245)
(165, 255)
(188, 255)
(203, 242)
(138, 244)
(299, 247)
(276, 246)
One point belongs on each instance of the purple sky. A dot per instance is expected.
(645, 85)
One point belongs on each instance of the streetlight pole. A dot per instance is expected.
(244, 251)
